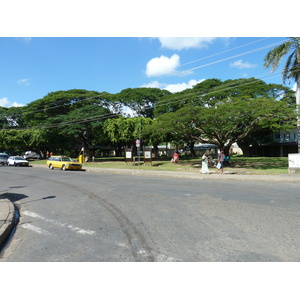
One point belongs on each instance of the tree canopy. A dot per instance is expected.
(213, 111)
(291, 69)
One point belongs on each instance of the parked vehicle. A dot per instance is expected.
(63, 163)
(17, 161)
(3, 158)
(31, 155)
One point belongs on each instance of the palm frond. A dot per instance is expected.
(290, 68)
(275, 55)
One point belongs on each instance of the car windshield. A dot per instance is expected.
(3, 156)
(67, 159)
(19, 158)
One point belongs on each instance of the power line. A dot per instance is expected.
(110, 115)
(192, 69)
(225, 51)
(231, 57)
(56, 106)
(175, 99)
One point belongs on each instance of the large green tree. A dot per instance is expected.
(234, 120)
(61, 103)
(61, 121)
(175, 127)
(83, 126)
(226, 112)
(291, 69)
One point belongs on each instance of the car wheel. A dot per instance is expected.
(51, 167)
(63, 168)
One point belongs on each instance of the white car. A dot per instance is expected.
(17, 161)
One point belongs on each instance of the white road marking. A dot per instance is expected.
(80, 230)
(75, 229)
(36, 229)
(32, 214)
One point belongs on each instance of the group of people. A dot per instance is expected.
(49, 154)
(220, 163)
(222, 160)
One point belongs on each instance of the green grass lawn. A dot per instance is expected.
(239, 164)
(261, 165)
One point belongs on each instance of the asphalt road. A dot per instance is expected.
(94, 217)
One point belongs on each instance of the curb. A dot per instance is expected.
(292, 178)
(7, 220)
(199, 176)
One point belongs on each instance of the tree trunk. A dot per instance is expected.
(245, 148)
(119, 150)
(226, 150)
(155, 150)
(191, 145)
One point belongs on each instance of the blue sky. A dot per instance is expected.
(33, 67)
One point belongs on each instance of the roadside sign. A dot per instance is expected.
(148, 155)
(128, 155)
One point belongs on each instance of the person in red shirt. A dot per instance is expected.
(176, 157)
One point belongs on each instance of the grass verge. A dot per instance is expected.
(238, 164)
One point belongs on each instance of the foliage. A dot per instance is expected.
(61, 103)
(140, 100)
(125, 130)
(211, 112)
(291, 47)
(291, 70)
(229, 112)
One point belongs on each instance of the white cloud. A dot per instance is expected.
(239, 64)
(162, 65)
(4, 102)
(154, 84)
(294, 88)
(179, 43)
(173, 88)
(24, 81)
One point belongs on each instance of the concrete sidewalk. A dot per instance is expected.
(7, 220)
(292, 177)
(197, 175)
(7, 209)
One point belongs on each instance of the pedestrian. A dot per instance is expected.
(204, 169)
(176, 157)
(220, 165)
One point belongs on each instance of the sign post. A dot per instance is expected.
(138, 145)
(147, 156)
(128, 155)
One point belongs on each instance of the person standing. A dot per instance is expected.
(204, 169)
(221, 158)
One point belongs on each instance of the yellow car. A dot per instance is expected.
(63, 163)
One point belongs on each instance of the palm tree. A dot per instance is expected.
(291, 69)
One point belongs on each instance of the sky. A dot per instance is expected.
(32, 67)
